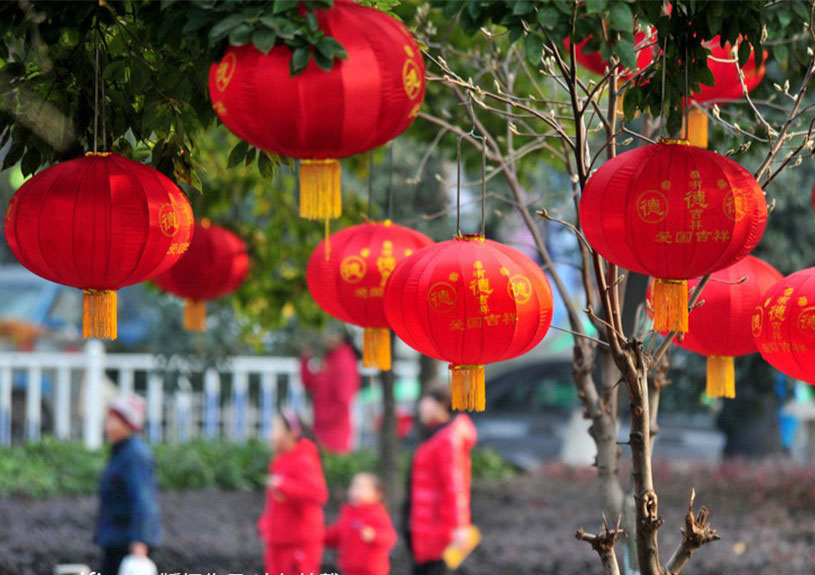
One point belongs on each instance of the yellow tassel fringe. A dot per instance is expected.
(376, 348)
(721, 376)
(99, 314)
(697, 127)
(467, 387)
(670, 301)
(320, 196)
(195, 315)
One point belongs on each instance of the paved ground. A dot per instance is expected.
(764, 512)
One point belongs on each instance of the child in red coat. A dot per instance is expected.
(291, 526)
(363, 532)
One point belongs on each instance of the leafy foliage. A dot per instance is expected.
(49, 467)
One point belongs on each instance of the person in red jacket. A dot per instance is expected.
(291, 526)
(437, 508)
(363, 532)
(332, 387)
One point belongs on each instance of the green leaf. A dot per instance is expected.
(311, 22)
(520, 7)
(533, 48)
(620, 17)
(284, 5)
(237, 155)
(630, 103)
(224, 27)
(30, 162)
(250, 157)
(548, 16)
(744, 53)
(595, 6)
(299, 60)
(264, 40)
(781, 54)
(240, 35)
(625, 50)
(705, 77)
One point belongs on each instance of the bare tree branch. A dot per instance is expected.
(696, 533)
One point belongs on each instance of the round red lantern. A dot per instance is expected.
(674, 212)
(215, 265)
(318, 116)
(720, 328)
(784, 325)
(726, 85)
(469, 301)
(348, 279)
(98, 223)
(645, 47)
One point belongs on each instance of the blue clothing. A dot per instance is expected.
(128, 497)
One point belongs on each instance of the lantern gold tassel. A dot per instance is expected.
(99, 314)
(320, 197)
(670, 301)
(195, 315)
(721, 376)
(376, 348)
(697, 127)
(467, 387)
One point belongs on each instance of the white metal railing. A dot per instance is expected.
(182, 401)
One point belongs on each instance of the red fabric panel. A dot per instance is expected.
(350, 285)
(469, 302)
(98, 222)
(359, 104)
(673, 211)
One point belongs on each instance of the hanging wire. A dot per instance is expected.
(686, 103)
(390, 181)
(370, 184)
(458, 186)
(95, 96)
(662, 93)
(104, 113)
(483, 186)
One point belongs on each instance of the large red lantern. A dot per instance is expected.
(726, 86)
(318, 116)
(784, 325)
(469, 301)
(349, 281)
(98, 223)
(674, 212)
(215, 265)
(720, 328)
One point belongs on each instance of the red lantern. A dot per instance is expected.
(349, 281)
(98, 223)
(645, 47)
(674, 212)
(726, 85)
(720, 327)
(784, 325)
(469, 301)
(214, 266)
(319, 116)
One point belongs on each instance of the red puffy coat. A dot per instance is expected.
(440, 488)
(294, 509)
(332, 389)
(356, 556)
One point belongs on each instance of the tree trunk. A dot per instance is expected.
(389, 443)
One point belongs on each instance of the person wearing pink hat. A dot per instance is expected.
(129, 518)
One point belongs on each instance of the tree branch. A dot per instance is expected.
(603, 543)
(697, 532)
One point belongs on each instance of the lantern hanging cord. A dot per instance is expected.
(686, 103)
(483, 186)
(662, 92)
(458, 186)
(370, 184)
(95, 97)
(390, 181)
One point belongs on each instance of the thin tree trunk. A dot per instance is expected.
(389, 442)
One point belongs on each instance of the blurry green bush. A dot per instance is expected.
(50, 467)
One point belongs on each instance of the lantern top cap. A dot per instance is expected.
(205, 222)
(470, 237)
(676, 141)
(97, 154)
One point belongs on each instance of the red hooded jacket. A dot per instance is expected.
(294, 509)
(356, 556)
(440, 488)
(332, 389)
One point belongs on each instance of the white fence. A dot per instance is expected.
(65, 394)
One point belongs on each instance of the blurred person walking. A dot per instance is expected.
(129, 516)
(332, 385)
(436, 512)
(291, 526)
(363, 532)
